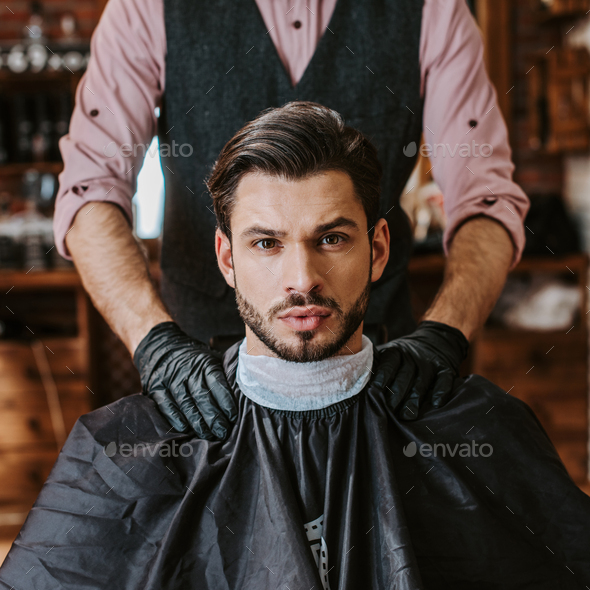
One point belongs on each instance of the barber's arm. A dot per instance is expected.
(480, 256)
(484, 237)
(111, 128)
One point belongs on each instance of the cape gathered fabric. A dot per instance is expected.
(336, 498)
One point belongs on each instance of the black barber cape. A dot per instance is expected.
(348, 497)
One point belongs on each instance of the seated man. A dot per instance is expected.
(319, 485)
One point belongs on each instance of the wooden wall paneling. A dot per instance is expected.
(494, 19)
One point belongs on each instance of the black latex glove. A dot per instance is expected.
(421, 367)
(185, 378)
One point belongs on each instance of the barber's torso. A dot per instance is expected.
(222, 70)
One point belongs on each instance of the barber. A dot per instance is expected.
(393, 68)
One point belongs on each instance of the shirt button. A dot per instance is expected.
(473, 123)
(93, 112)
(490, 200)
(297, 24)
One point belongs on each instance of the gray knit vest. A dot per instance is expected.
(222, 70)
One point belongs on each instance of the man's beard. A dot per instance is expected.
(305, 351)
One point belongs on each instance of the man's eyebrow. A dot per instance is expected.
(257, 230)
(338, 222)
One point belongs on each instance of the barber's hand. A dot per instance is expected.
(185, 378)
(421, 367)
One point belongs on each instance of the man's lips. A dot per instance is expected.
(305, 318)
(307, 311)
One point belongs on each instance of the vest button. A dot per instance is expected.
(297, 24)
(473, 123)
(93, 112)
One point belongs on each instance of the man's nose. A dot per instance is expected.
(301, 270)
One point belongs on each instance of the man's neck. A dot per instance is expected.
(278, 384)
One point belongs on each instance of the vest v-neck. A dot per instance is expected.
(320, 48)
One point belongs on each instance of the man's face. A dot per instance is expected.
(301, 264)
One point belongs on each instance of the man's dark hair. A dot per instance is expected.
(295, 141)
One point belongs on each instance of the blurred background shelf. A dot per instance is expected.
(39, 280)
(19, 169)
(576, 262)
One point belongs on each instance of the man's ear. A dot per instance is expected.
(380, 249)
(224, 258)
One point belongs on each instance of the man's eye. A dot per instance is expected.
(333, 239)
(266, 244)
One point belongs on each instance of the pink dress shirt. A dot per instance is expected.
(117, 96)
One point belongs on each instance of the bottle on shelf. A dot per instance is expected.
(41, 139)
(23, 126)
(34, 224)
(17, 60)
(3, 133)
(35, 29)
(62, 122)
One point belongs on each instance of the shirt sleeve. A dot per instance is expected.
(471, 164)
(114, 118)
